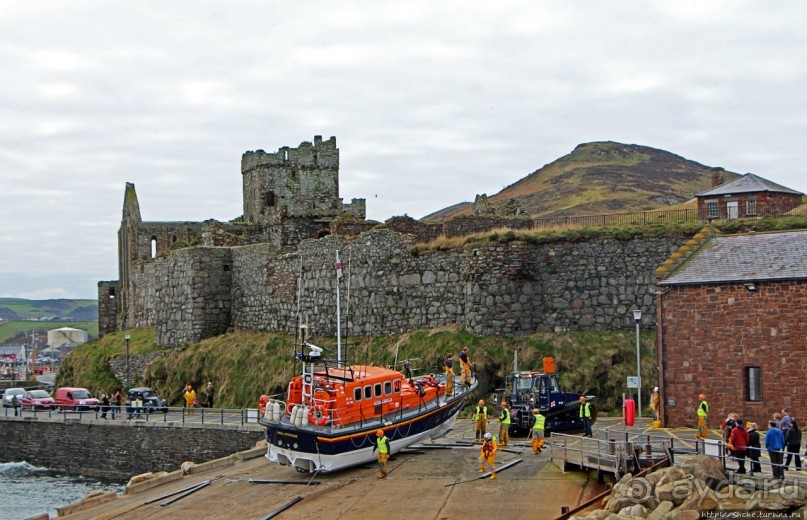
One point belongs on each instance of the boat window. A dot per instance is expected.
(378, 389)
(357, 394)
(368, 392)
(397, 385)
(553, 384)
(387, 388)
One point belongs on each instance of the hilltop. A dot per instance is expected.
(599, 178)
(62, 309)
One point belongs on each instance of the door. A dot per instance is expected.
(732, 209)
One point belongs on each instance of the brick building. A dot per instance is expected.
(733, 325)
(747, 196)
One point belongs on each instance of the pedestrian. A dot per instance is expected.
(465, 375)
(262, 402)
(382, 443)
(793, 444)
(104, 405)
(448, 366)
(538, 426)
(190, 398)
(777, 418)
(703, 416)
(585, 416)
(785, 419)
(504, 424)
(738, 445)
(488, 455)
(480, 420)
(209, 394)
(15, 403)
(753, 448)
(775, 443)
(655, 402)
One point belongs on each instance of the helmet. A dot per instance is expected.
(582, 398)
(504, 403)
(481, 402)
(535, 410)
(488, 436)
(701, 396)
(655, 389)
(379, 433)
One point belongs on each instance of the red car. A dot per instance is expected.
(80, 399)
(37, 400)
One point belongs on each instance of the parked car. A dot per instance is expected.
(151, 402)
(37, 400)
(9, 394)
(68, 398)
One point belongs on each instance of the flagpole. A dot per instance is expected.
(338, 314)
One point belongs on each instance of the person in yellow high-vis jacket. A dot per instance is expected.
(488, 455)
(504, 424)
(703, 415)
(538, 436)
(382, 443)
(465, 375)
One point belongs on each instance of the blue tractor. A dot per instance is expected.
(525, 390)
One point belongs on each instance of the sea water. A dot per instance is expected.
(27, 490)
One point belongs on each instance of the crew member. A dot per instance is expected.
(448, 365)
(262, 402)
(382, 443)
(504, 424)
(480, 420)
(465, 375)
(538, 437)
(703, 414)
(654, 403)
(488, 455)
(585, 416)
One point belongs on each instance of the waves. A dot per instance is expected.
(18, 470)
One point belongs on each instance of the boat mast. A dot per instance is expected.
(338, 315)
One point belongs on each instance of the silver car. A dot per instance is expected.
(8, 396)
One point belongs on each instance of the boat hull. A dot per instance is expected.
(310, 449)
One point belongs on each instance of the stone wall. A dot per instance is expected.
(116, 450)
(108, 293)
(713, 333)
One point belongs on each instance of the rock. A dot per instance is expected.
(93, 493)
(662, 509)
(677, 514)
(599, 514)
(618, 504)
(780, 499)
(261, 443)
(186, 466)
(675, 492)
(733, 497)
(634, 510)
(703, 499)
(707, 469)
(671, 475)
(140, 478)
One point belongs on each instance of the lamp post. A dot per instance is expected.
(128, 337)
(637, 316)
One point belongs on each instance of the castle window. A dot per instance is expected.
(285, 155)
(269, 199)
(753, 384)
(153, 247)
(111, 293)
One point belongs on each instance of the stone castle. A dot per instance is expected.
(276, 262)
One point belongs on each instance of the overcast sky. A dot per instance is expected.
(430, 102)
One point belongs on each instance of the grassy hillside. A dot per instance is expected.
(244, 365)
(22, 309)
(600, 178)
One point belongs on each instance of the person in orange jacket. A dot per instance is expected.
(488, 455)
(190, 398)
(262, 402)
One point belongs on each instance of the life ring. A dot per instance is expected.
(318, 415)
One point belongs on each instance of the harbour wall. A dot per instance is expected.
(117, 450)
(501, 288)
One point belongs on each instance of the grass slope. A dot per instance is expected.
(244, 365)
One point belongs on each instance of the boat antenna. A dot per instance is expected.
(338, 316)
(347, 300)
(515, 360)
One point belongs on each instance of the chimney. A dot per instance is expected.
(718, 176)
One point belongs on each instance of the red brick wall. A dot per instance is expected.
(768, 203)
(712, 332)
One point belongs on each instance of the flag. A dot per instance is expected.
(338, 269)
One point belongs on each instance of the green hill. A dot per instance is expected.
(64, 309)
(600, 178)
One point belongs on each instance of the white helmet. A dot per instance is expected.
(487, 436)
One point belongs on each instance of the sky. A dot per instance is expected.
(431, 103)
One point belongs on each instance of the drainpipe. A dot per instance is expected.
(662, 387)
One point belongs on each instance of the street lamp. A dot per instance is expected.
(637, 316)
(128, 337)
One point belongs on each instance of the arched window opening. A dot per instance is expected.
(153, 247)
(111, 293)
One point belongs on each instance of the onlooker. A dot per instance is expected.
(209, 394)
(118, 399)
(190, 398)
(753, 448)
(777, 418)
(738, 445)
(775, 443)
(793, 444)
(104, 405)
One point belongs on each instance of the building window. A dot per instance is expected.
(751, 207)
(153, 247)
(712, 209)
(753, 384)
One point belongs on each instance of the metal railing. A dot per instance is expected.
(174, 415)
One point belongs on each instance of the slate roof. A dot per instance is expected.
(745, 258)
(748, 183)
